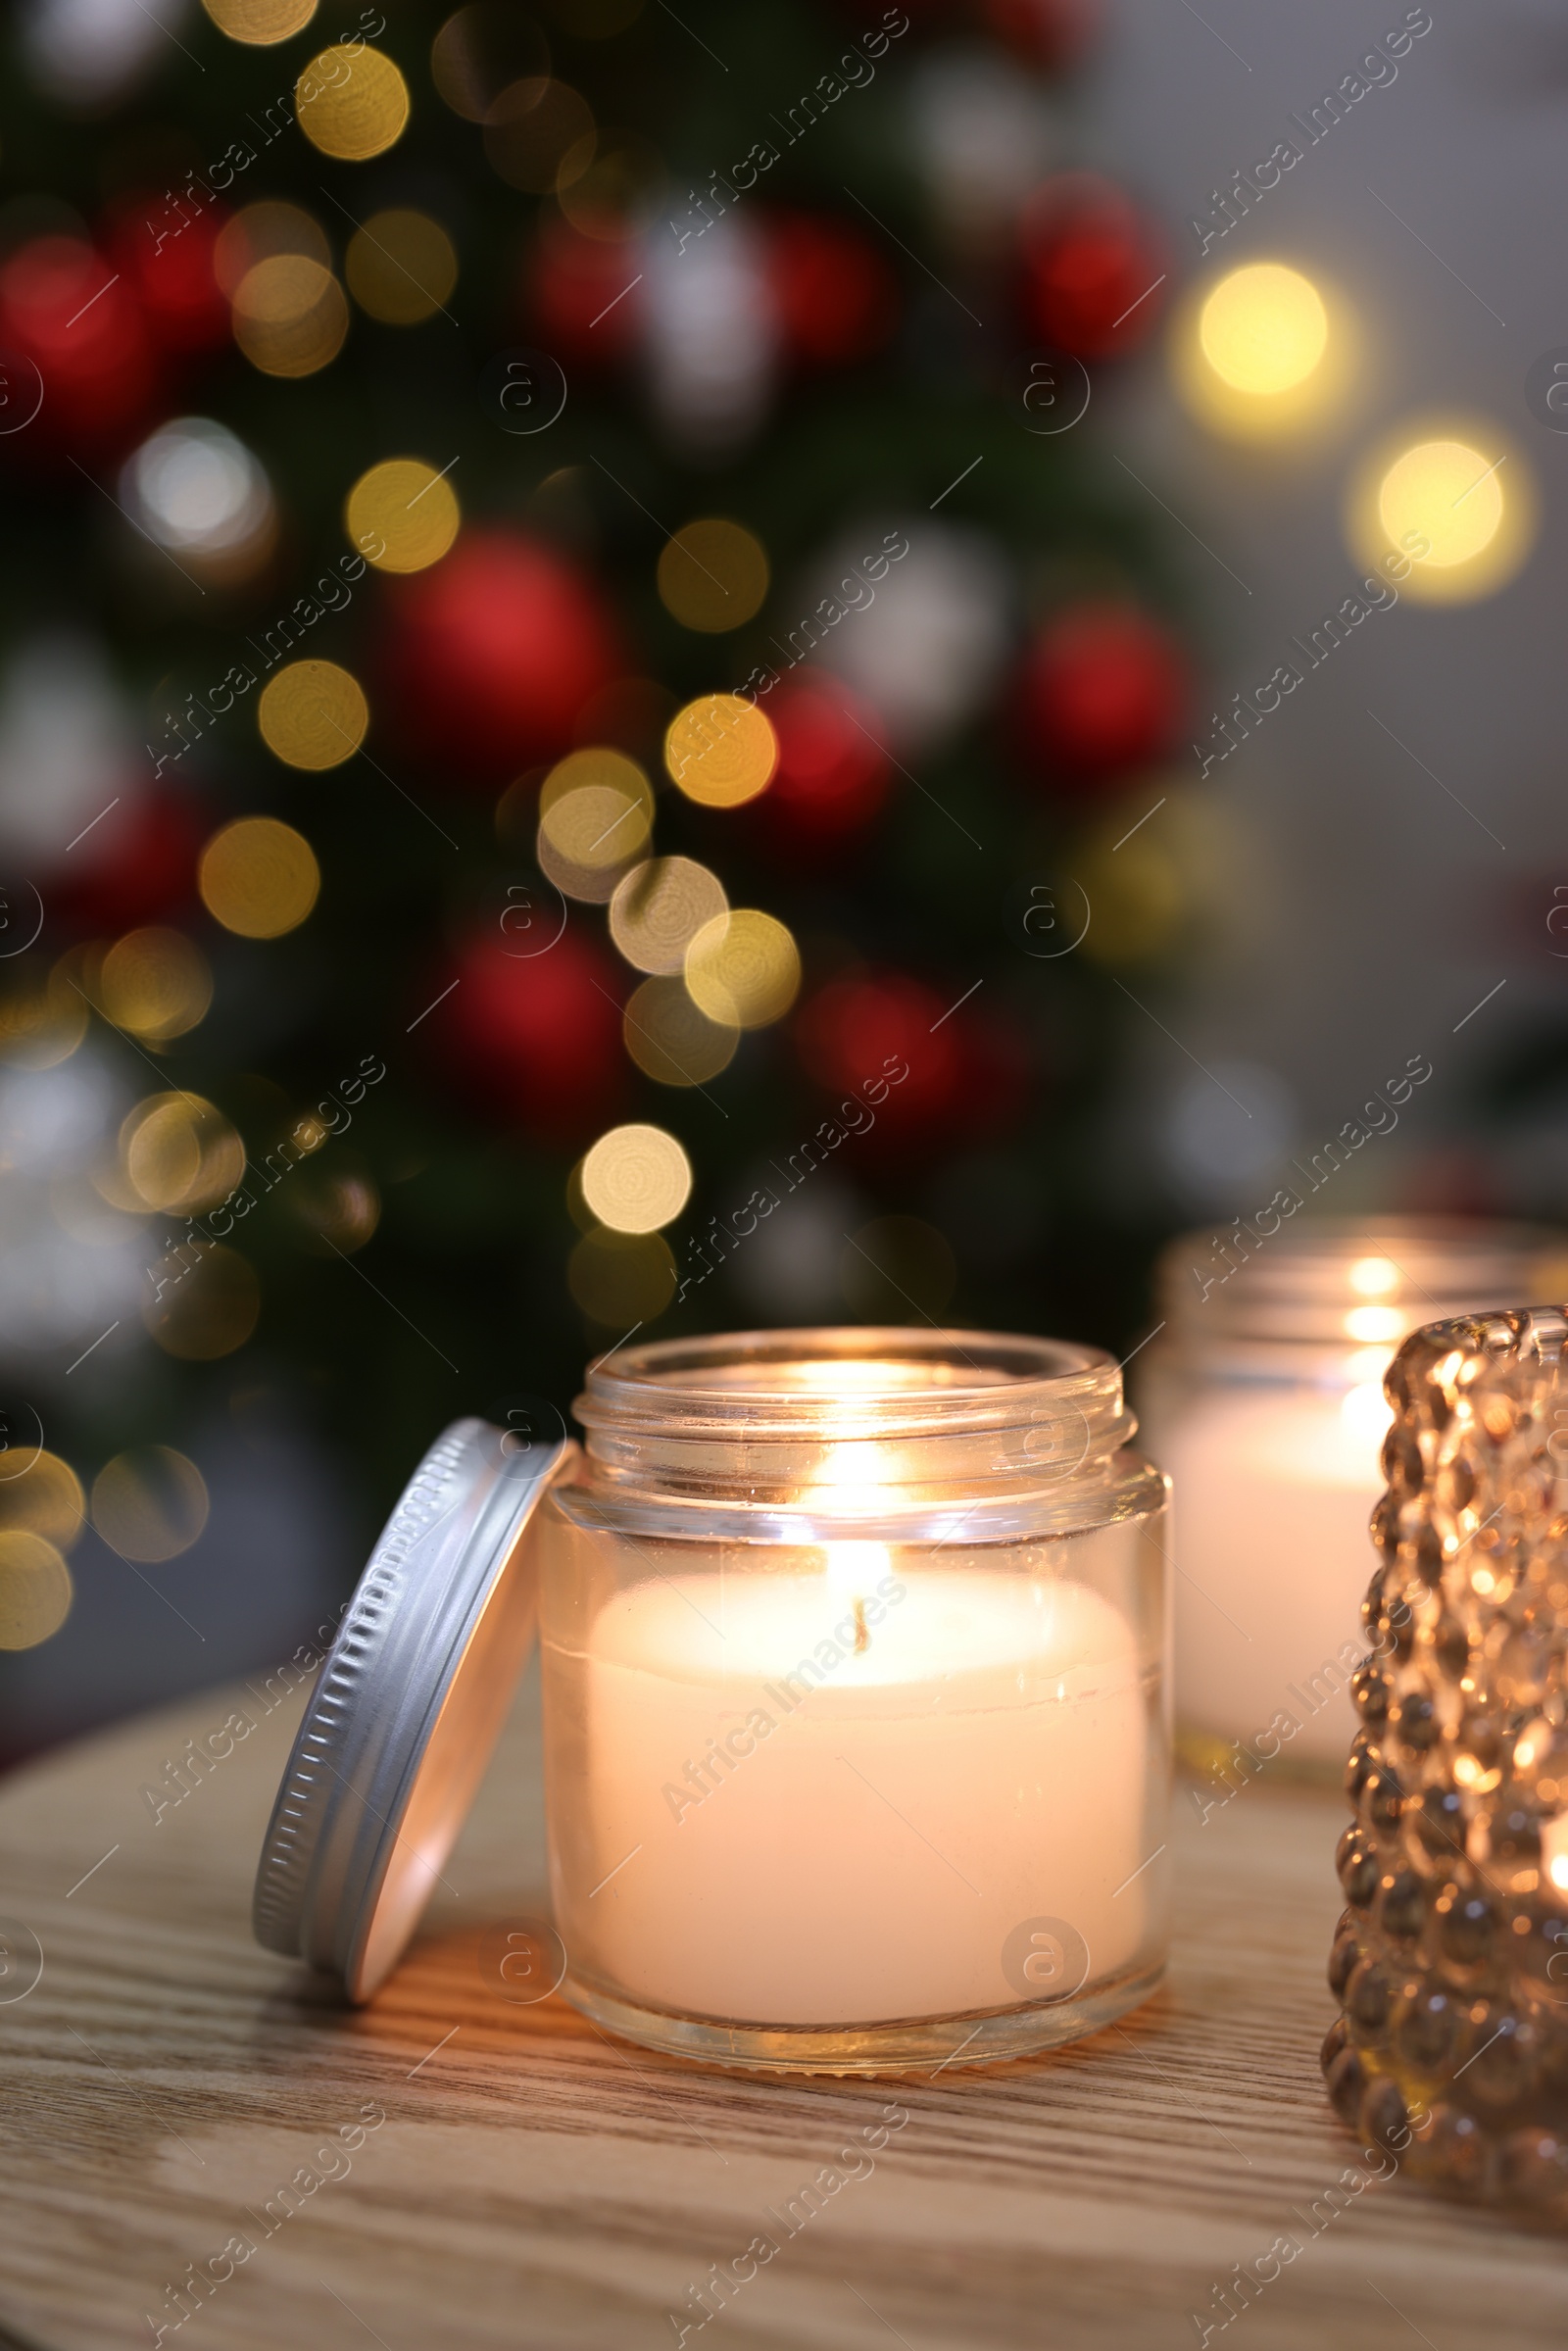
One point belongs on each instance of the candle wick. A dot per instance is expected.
(862, 1637)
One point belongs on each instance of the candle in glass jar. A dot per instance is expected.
(832, 1798)
(1274, 1491)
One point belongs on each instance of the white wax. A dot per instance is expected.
(1272, 1497)
(980, 1763)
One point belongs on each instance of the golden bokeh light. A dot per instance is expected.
(1446, 511)
(1266, 352)
(260, 22)
(1264, 330)
(1450, 494)
(313, 714)
(155, 983)
(45, 1500)
(712, 577)
(539, 135)
(204, 1310)
(43, 1015)
(149, 1503)
(180, 1153)
(411, 507)
(722, 750)
(672, 1040)
(351, 115)
(259, 232)
(743, 969)
(660, 906)
(290, 316)
(595, 811)
(35, 1591)
(636, 1178)
(401, 266)
(619, 1279)
(258, 877)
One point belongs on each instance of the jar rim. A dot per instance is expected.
(881, 1431)
(1343, 1281)
(888, 1380)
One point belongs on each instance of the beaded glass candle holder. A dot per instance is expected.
(1451, 1959)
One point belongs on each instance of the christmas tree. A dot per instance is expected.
(573, 674)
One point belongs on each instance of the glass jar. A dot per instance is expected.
(856, 1727)
(1264, 1398)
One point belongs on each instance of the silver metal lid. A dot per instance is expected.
(406, 1710)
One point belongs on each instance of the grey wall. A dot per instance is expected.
(1381, 912)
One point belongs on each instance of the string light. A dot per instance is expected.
(260, 231)
(197, 490)
(595, 811)
(180, 1153)
(401, 266)
(45, 1498)
(1264, 330)
(35, 1590)
(355, 115)
(743, 969)
(290, 316)
(1447, 513)
(260, 22)
(155, 983)
(409, 508)
(636, 1178)
(660, 906)
(313, 714)
(43, 1016)
(671, 1038)
(258, 878)
(720, 751)
(1266, 352)
(712, 577)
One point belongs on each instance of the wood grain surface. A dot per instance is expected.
(535, 2185)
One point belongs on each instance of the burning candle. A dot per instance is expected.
(855, 1730)
(824, 1811)
(1265, 1402)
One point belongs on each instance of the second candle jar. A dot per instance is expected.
(856, 1717)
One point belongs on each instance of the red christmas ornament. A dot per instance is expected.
(1102, 689)
(836, 297)
(860, 1031)
(1051, 34)
(833, 769)
(136, 864)
(1091, 267)
(489, 656)
(66, 310)
(536, 1037)
(581, 294)
(952, 1074)
(168, 257)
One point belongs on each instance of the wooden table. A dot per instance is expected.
(534, 2185)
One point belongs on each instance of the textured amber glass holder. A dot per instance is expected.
(1451, 1959)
